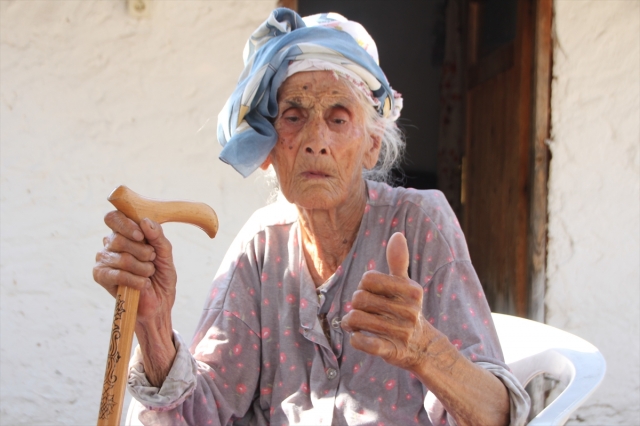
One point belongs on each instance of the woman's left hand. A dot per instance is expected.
(386, 319)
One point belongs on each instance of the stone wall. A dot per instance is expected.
(594, 195)
(91, 98)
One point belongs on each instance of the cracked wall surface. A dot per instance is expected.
(593, 261)
(91, 98)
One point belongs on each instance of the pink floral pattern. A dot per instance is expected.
(260, 339)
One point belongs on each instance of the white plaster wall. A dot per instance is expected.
(594, 195)
(91, 98)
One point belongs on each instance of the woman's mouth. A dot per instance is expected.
(314, 174)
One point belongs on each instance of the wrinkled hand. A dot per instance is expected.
(139, 257)
(386, 319)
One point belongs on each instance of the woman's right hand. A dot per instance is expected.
(138, 256)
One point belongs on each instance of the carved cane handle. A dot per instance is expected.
(136, 208)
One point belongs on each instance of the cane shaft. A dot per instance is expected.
(136, 208)
(115, 376)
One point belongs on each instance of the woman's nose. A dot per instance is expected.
(316, 140)
(310, 150)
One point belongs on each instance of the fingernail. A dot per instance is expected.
(147, 283)
(137, 235)
(153, 255)
(150, 223)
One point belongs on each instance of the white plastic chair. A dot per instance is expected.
(531, 348)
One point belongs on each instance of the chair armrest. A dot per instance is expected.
(587, 372)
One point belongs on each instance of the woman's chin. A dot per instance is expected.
(322, 194)
(317, 197)
(316, 203)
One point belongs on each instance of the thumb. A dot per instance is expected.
(398, 255)
(155, 237)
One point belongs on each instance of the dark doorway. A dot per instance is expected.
(410, 40)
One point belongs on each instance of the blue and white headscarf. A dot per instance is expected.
(283, 45)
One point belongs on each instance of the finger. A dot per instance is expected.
(356, 321)
(155, 237)
(120, 244)
(398, 255)
(372, 345)
(111, 279)
(397, 310)
(391, 286)
(125, 262)
(121, 224)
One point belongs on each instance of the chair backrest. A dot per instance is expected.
(531, 348)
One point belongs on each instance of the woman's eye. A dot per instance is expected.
(291, 116)
(339, 116)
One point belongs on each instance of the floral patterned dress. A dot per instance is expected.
(269, 349)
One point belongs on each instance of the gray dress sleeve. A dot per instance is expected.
(518, 399)
(179, 384)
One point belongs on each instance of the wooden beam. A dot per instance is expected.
(290, 4)
(488, 67)
(473, 32)
(524, 45)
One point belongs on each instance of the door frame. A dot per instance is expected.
(539, 157)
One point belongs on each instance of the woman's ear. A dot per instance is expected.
(265, 165)
(373, 151)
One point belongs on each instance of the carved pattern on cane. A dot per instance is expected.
(108, 402)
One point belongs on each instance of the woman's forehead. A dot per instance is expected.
(316, 84)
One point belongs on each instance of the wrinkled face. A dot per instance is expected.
(322, 141)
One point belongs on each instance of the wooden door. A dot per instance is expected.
(504, 167)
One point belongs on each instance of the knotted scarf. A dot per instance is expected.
(284, 44)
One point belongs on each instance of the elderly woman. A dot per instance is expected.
(354, 304)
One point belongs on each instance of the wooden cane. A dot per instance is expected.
(136, 208)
